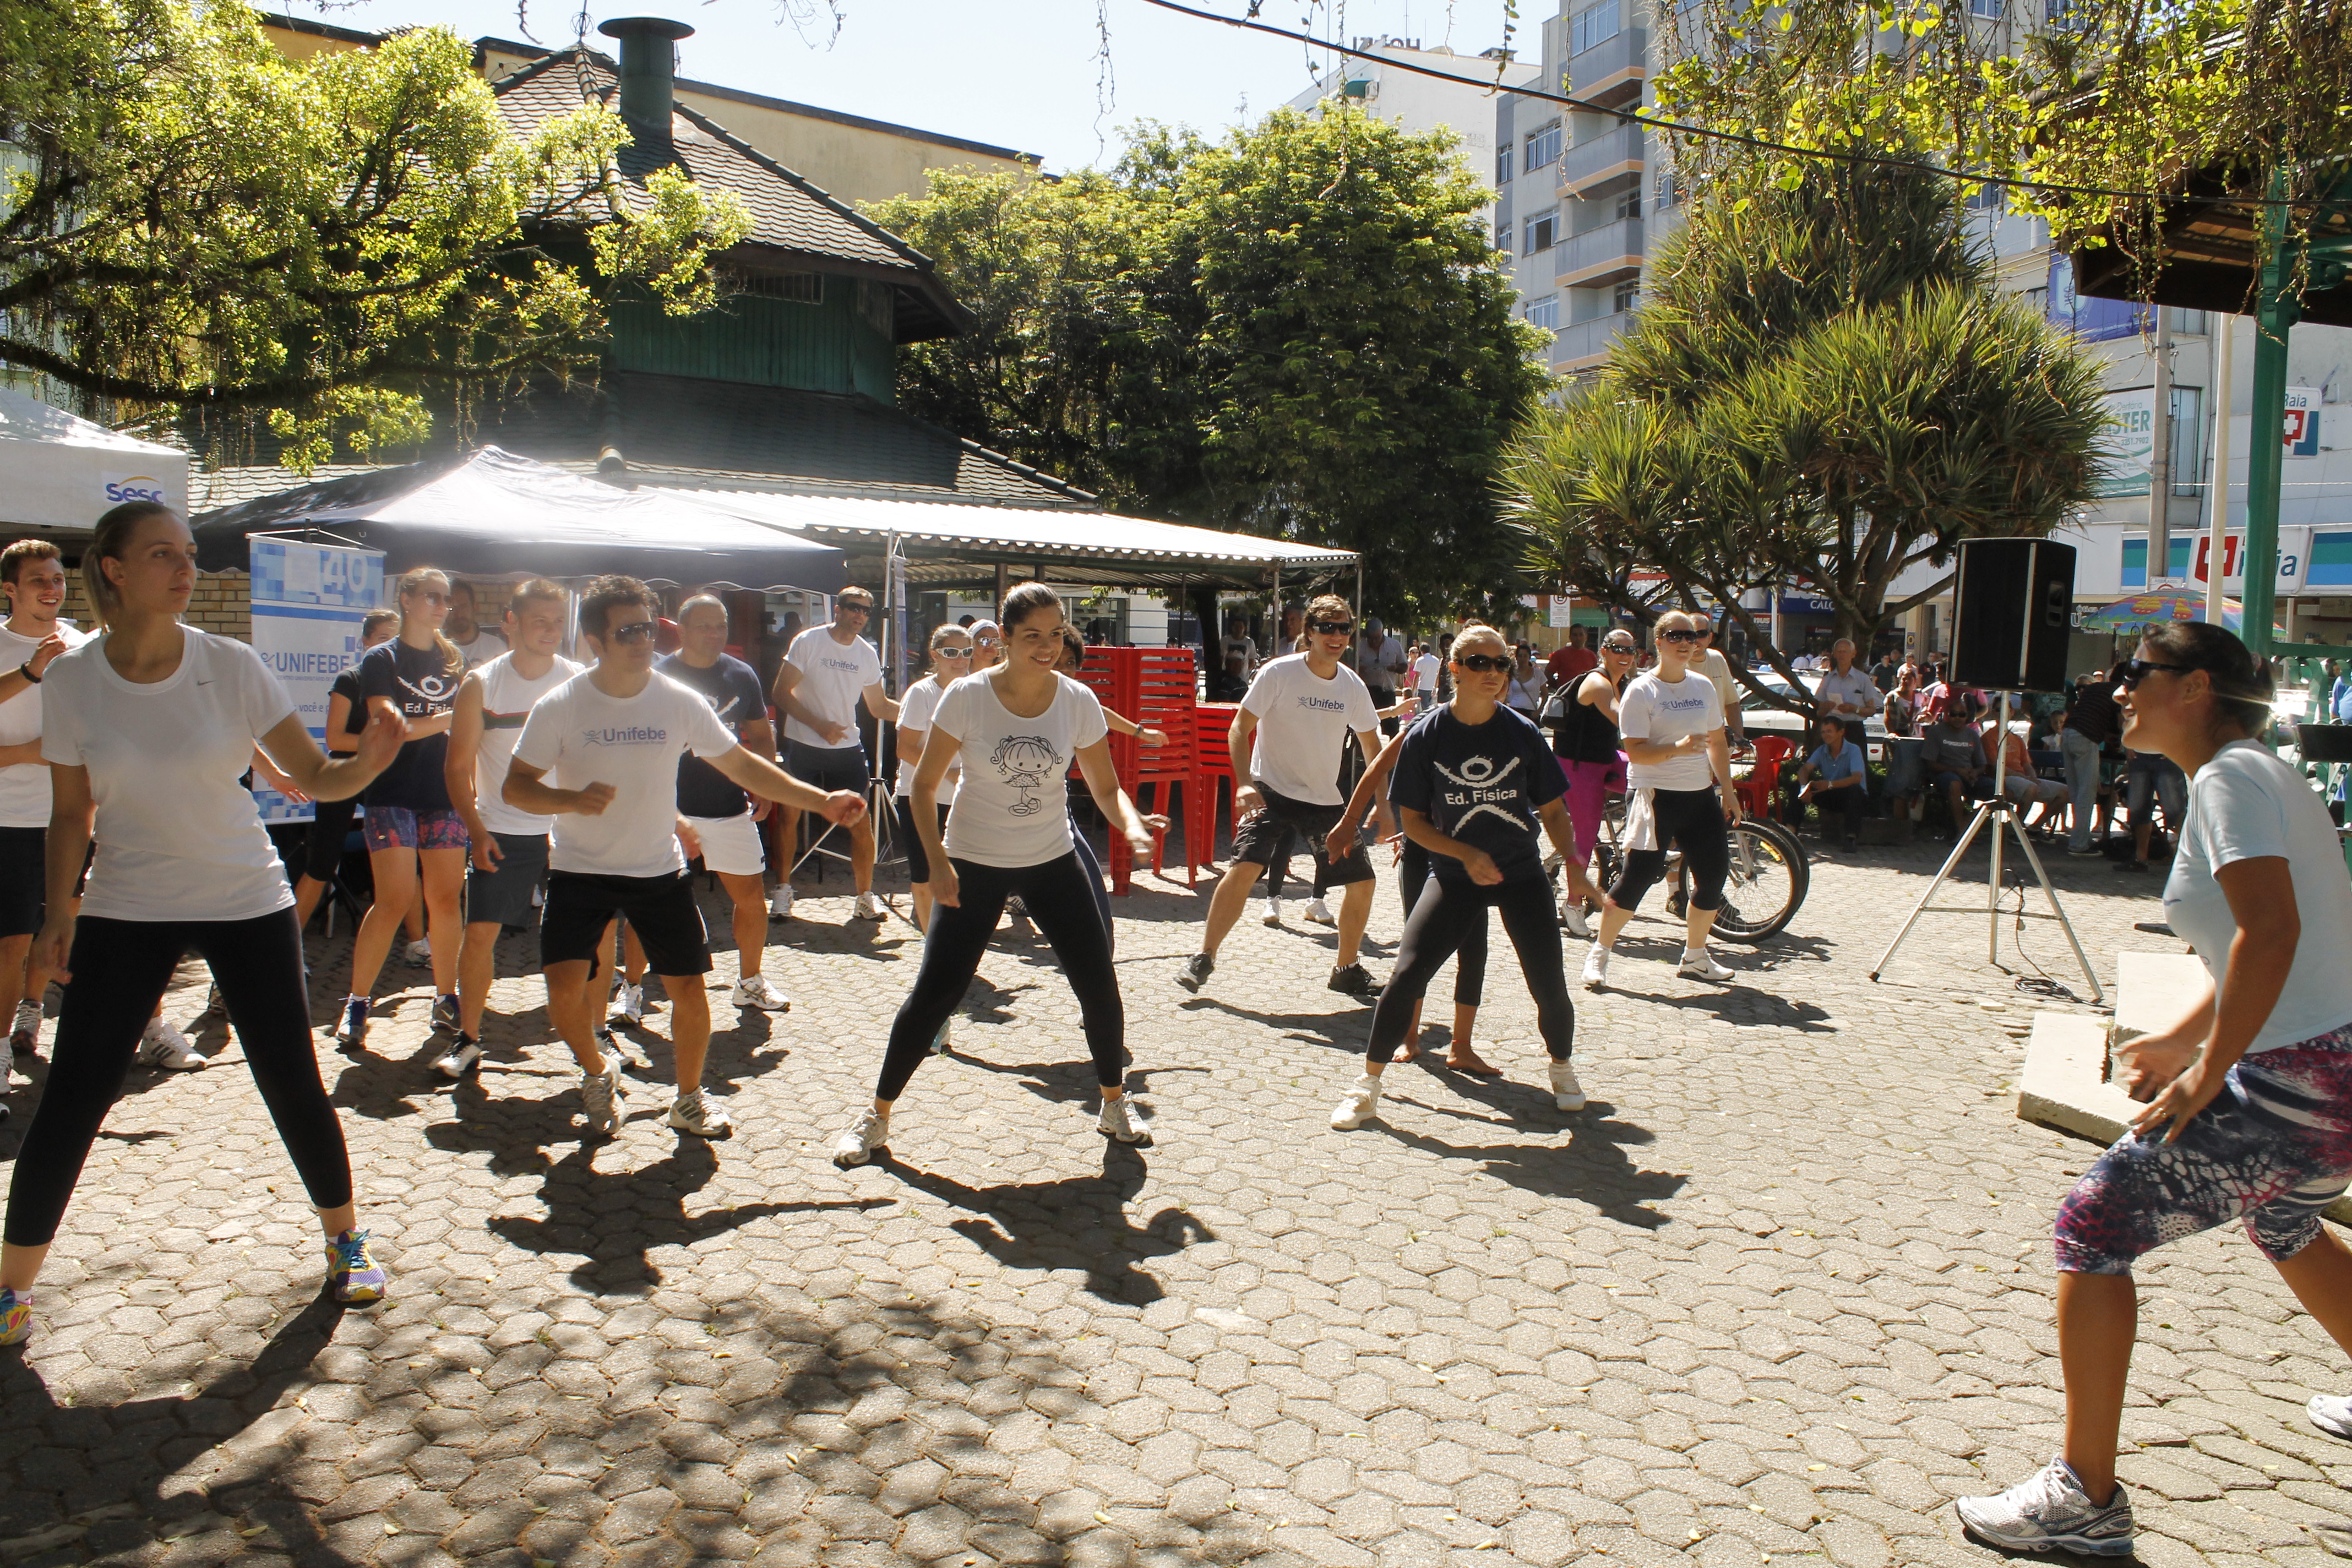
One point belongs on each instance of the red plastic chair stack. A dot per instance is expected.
(1212, 721)
(1153, 687)
(1760, 791)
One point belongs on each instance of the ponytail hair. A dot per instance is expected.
(109, 541)
(452, 658)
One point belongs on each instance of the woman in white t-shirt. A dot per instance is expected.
(950, 662)
(147, 731)
(1677, 759)
(1015, 731)
(2252, 1090)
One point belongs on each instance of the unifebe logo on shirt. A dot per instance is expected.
(1322, 704)
(626, 735)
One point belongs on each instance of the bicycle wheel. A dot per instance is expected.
(1770, 875)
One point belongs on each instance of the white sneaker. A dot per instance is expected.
(1700, 965)
(419, 951)
(162, 1045)
(1571, 917)
(1566, 1092)
(600, 1101)
(862, 1139)
(1596, 967)
(628, 1003)
(1320, 913)
(867, 908)
(943, 1042)
(1359, 1105)
(24, 1034)
(2331, 1413)
(780, 902)
(1273, 912)
(690, 1112)
(460, 1059)
(753, 991)
(1123, 1121)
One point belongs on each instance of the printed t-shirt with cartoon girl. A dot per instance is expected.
(1012, 808)
(1482, 783)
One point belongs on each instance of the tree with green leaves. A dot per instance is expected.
(1824, 387)
(191, 222)
(1300, 330)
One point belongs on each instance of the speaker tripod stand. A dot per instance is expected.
(2001, 812)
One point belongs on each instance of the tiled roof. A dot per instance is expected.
(681, 432)
(790, 215)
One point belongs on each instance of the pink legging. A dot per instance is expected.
(1588, 786)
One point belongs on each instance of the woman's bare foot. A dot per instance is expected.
(1409, 1051)
(1465, 1057)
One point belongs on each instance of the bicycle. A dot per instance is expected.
(1766, 887)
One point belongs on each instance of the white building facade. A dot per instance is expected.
(1423, 102)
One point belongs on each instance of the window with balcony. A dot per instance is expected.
(1543, 146)
(1593, 25)
(1626, 202)
(1669, 190)
(1503, 236)
(1542, 230)
(1626, 296)
(1544, 313)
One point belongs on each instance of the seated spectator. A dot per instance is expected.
(2020, 782)
(1834, 778)
(1952, 759)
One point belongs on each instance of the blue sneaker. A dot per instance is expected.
(444, 1014)
(16, 1317)
(355, 1275)
(351, 1030)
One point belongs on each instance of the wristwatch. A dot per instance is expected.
(25, 669)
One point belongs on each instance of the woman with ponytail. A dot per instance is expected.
(412, 829)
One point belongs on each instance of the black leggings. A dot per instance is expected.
(119, 970)
(1692, 818)
(1441, 919)
(1067, 912)
(1470, 961)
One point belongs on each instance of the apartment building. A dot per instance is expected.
(1418, 102)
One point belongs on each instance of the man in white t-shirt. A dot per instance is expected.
(476, 641)
(826, 672)
(1426, 670)
(33, 579)
(1301, 710)
(611, 739)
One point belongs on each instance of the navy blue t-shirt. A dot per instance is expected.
(418, 681)
(732, 690)
(1482, 783)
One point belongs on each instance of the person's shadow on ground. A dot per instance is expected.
(1591, 1166)
(55, 1499)
(1077, 1223)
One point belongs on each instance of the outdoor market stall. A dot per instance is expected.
(65, 472)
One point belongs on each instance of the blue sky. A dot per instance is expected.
(1015, 73)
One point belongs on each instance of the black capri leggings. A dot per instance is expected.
(322, 842)
(1692, 818)
(120, 970)
(1441, 919)
(1068, 913)
(1470, 961)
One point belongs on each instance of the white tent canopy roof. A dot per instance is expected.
(61, 472)
(1056, 541)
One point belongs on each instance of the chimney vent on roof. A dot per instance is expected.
(648, 67)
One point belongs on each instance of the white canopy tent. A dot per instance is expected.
(59, 472)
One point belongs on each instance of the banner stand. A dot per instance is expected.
(309, 604)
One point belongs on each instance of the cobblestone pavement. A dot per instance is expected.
(1780, 1293)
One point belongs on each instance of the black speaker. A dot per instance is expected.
(2012, 610)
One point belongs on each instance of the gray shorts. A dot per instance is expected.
(504, 895)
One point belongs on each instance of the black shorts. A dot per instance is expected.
(660, 909)
(829, 767)
(324, 841)
(1259, 839)
(503, 896)
(918, 864)
(23, 880)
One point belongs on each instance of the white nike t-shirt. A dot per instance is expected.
(25, 787)
(581, 736)
(833, 679)
(178, 838)
(1012, 808)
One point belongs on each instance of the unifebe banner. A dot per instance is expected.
(308, 603)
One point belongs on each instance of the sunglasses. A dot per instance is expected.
(951, 653)
(1482, 663)
(2135, 670)
(634, 631)
(1679, 636)
(1616, 647)
(1332, 628)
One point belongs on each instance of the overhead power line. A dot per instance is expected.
(1762, 144)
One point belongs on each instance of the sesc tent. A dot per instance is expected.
(498, 515)
(63, 472)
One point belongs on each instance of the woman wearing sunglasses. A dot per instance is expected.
(1586, 739)
(1474, 782)
(1678, 759)
(2251, 1090)
(950, 662)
